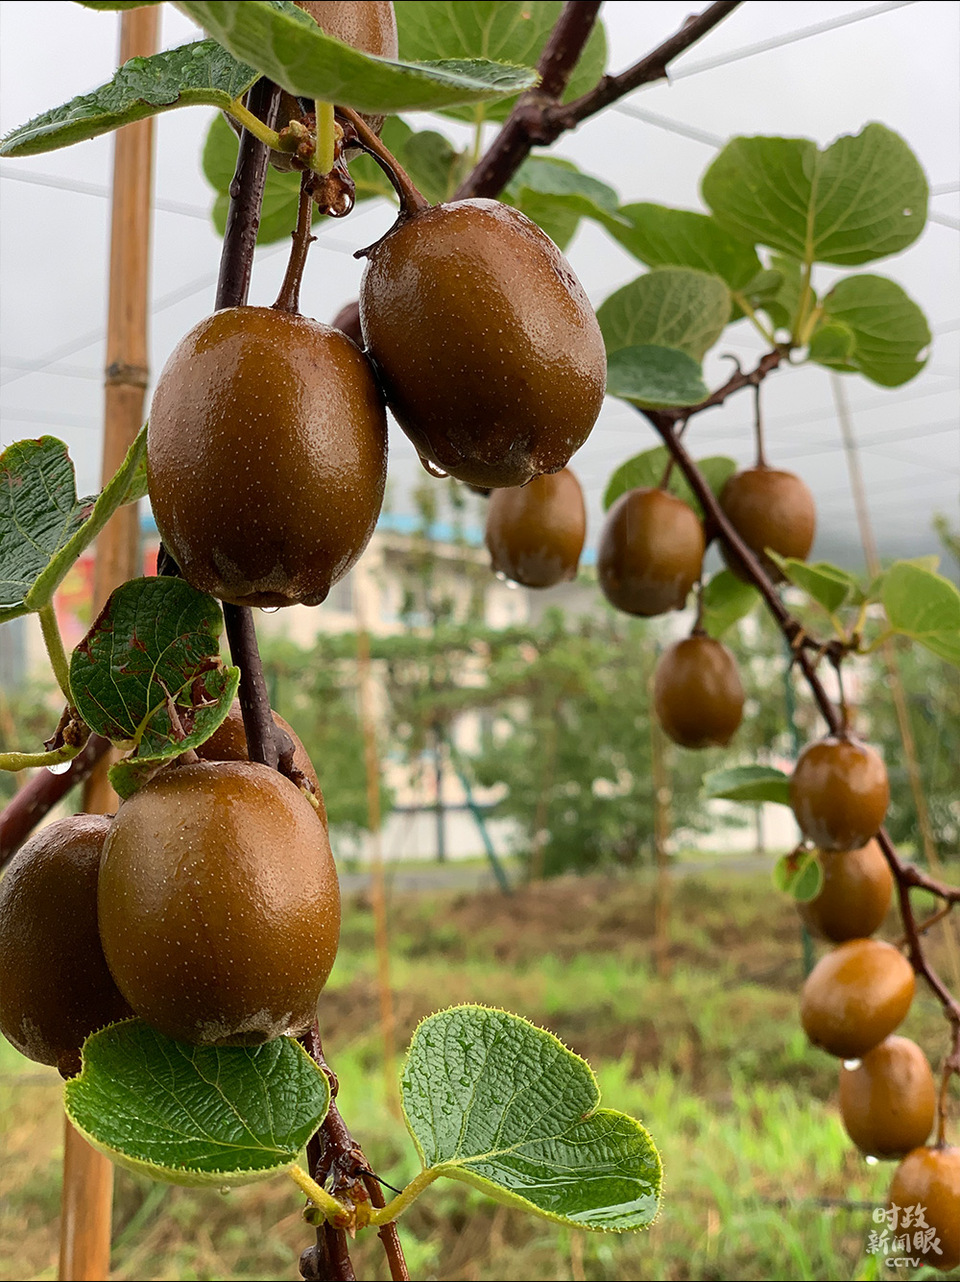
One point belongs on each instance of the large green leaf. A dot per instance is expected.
(507, 30)
(862, 198)
(645, 471)
(200, 73)
(491, 1100)
(668, 307)
(285, 44)
(220, 1115)
(924, 606)
(664, 237)
(748, 783)
(725, 600)
(556, 195)
(655, 377)
(874, 327)
(154, 645)
(44, 527)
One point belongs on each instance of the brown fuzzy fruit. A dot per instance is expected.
(839, 792)
(854, 896)
(55, 988)
(697, 693)
(535, 532)
(769, 509)
(889, 1100)
(229, 743)
(930, 1178)
(266, 456)
(856, 996)
(219, 904)
(651, 552)
(489, 351)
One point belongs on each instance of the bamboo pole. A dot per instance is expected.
(87, 1196)
(661, 834)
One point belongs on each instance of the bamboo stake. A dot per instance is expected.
(661, 834)
(88, 1175)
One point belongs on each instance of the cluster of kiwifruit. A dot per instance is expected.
(858, 993)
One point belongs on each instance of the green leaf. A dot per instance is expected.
(924, 606)
(777, 290)
(862, 198)
(726, 600)
(199, 73)
(827, 584)
(799, 874)
(748, 783)
(664, 237)
(287, 45)
(833, 344)
(116, 4)
(645, 471)
(889, 331)
(668, 307)
(500, 1104)
(556, 195)
(508, 30)
(655, 377)
(155, 641)
(44, 527)
(221, 1115)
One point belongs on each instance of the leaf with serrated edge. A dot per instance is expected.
(44, 527)
(889, 331)
(195, 1115)
(288, 46)
(509, 30)
(799, 875)
(500, 1104)
(827, 584)
(154, 638)
(645, 471)
(862, 198)
(655, 377)
(725, 600)
(924, 606)
(668, 307)
(748, 783)
(189, 75)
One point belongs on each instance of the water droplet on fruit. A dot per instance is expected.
(871, 1160)
(851, 1064)
(431, 468)
(60, 768)
(269, 609)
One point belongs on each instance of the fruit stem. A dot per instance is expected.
(58, 655)
(758, 425)
(399, 1204)
(333, 1211)
(412, 201)
(325, 153)
(30, 760)
(288, 300)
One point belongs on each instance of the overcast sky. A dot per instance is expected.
(898, 65)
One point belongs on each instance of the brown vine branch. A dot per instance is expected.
(539, 118)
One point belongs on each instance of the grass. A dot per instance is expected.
(761, 1181)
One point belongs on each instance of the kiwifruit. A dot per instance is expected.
(535, 532)
(55, 988)
(839, 792)
(856, 996)
(347, 321)
(697, 693)
(219, 905)
(768, 509)
(487, 347)
(229, 743)
(854, 896)
(930, 1178)
(888, 1100)
(651, 552)
(266, 456)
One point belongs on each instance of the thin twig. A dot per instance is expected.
(288, 300)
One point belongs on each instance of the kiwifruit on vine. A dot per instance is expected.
(888, 1100)
(839, 792)
(219, 905)
(856, 996)
(535, 533)
(854, 896)
(930, 1178)
(266, 456)
(697, 693)
(768, 509)
(651, 552)
(487, 347)
(55, 987)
